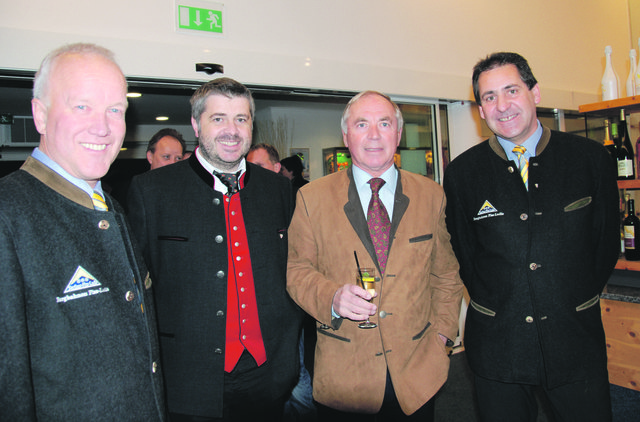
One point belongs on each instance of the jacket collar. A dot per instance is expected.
(56, 182)
(542, 143)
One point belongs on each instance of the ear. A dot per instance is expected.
(149, 157)
(194, 125)
(481, 112)
(399, 137)
(536, 93)
(345, 140)
(277, 167)
(39, 111)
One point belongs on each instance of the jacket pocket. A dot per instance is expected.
(589, 303)
(173, 238)
(482, 309)
(421, 333)
(420, 238)
(330, 334)
(576, 205)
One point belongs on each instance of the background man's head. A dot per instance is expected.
(222, 113)
(165, 147)
(266, 156)
(372, 129)
(79, 104)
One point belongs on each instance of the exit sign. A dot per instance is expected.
(200, 16)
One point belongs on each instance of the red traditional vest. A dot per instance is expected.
(243, 324)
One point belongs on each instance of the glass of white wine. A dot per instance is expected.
(366, 277)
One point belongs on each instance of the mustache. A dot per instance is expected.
(228, 137)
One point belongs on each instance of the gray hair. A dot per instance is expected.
(347, 109)
(226, 87)
(41, 80)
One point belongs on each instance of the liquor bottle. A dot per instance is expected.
(608, 142)
(631, 79)
(626, 165)
(609, 83)
(631, 234)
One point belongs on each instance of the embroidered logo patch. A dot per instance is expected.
(487, 210)
(81, 280)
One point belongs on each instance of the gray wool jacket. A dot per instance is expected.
(77, 323)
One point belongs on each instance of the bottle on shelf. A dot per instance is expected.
(638, 70)
(609, 83)
(631, 234)
(608, 142)
(619, 155)
(631, 79)
(626, 165)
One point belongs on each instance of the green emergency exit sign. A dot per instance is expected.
(200, 17)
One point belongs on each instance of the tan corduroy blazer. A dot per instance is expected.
(419, 294)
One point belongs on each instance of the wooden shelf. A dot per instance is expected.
(629, 184)
(608, 108)
(623, 264)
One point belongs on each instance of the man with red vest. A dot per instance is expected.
(213, 230)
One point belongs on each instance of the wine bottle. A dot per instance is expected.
(626, 166)
(609, 83)
(619, 156)
(631, 234)
(631, 79)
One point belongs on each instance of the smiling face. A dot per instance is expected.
(372, 134)
(224, 131)
(81, 115)
(507, 105)
(167, 151)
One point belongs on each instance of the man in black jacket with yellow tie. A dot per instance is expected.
(533, 216)
(213, 230)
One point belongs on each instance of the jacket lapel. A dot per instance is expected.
(355, 214)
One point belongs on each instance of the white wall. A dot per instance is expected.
(404, 47)
(422, 49)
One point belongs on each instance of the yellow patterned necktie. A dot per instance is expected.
(523, 164)
(98, 202)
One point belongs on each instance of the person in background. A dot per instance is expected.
(79, 340)
(292, 169)
(165, 147)
(393, 220)
(265, 156)
(299, 407)
(228, 329)
(533, 215)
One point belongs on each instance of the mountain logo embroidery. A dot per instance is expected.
(81, 280)
(487, 210)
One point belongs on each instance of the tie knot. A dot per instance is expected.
(519, 149)
(376, 183)
(230, 180)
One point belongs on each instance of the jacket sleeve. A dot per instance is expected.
(312, 291)
(17, 399)
(446, 283)
(607, 224)
(462, 234)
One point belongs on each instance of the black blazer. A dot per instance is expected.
(179, 220)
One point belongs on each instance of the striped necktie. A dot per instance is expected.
(98, 202)
(523, 164)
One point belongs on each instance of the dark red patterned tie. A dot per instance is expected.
(230, 180)
(379, 223)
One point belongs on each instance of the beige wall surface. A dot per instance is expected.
(404, 47)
